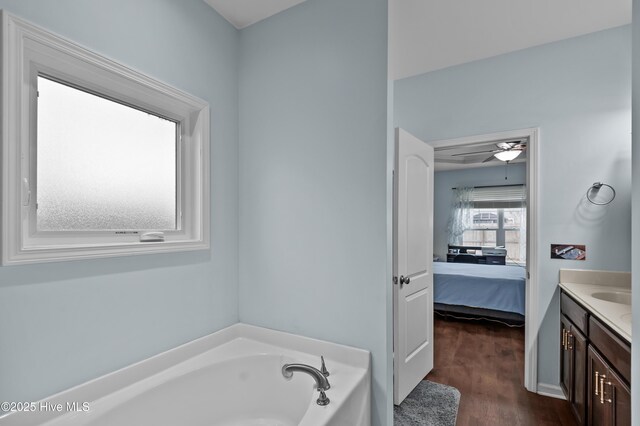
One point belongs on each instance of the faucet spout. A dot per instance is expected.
(321, 381)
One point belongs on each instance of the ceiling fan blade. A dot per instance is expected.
(474, 153)
(449, 160)
(489, 159)
(506, 145)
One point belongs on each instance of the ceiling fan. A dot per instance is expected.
(509, 151)
(506, 151)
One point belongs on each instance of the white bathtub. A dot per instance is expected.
(229, 378)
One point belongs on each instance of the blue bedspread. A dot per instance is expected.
(497, 287)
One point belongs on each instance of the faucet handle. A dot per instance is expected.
(323, 368)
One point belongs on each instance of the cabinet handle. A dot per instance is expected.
(602, 377)
(596, 386)
(609, 400)
(564, 339)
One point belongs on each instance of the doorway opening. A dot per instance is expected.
(508, 231)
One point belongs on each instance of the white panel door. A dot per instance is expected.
(412, 260)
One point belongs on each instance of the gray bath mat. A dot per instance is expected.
(429, 404)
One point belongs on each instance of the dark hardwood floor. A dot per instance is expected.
(485, 361)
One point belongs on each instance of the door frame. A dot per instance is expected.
(533, 184)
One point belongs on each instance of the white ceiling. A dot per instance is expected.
(242, 13)
(426, 35)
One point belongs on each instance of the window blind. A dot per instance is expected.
(499, 197)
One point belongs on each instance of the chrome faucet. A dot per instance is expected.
(322, 383)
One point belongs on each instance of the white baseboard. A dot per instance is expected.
(554, 391)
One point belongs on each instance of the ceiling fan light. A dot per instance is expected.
(510, 155)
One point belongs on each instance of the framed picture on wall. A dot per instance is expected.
(569, 251)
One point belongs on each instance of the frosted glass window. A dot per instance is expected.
(100, 160)
(102, 165)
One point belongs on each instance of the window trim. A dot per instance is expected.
(29, 51)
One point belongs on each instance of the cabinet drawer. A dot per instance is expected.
(614, 349)
(574, 312)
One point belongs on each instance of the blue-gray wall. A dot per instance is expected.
(313, 178)
(578, 92)
(64, 323)
(443, 195)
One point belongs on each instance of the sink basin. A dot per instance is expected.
(621, 297)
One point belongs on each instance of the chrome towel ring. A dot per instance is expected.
(595, 189)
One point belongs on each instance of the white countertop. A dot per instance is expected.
(581, 285)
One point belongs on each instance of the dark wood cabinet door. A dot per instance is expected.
(578, 348)
(597, 408)
(565, 358)
(618, 396)
(594, 368)
(609, 398)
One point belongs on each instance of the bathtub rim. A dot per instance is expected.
(114, 381)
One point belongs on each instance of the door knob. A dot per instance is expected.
(404, 280)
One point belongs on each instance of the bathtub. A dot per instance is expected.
(229, 378)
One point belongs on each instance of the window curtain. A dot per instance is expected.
(523, 229)
(460, 217)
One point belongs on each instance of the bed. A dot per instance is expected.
(494, 292)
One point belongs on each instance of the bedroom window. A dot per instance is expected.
(483, 230)
(479, 237)
(499, 227)
(498, 218)
(99, 160)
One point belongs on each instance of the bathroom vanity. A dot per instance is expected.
(595, 345)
